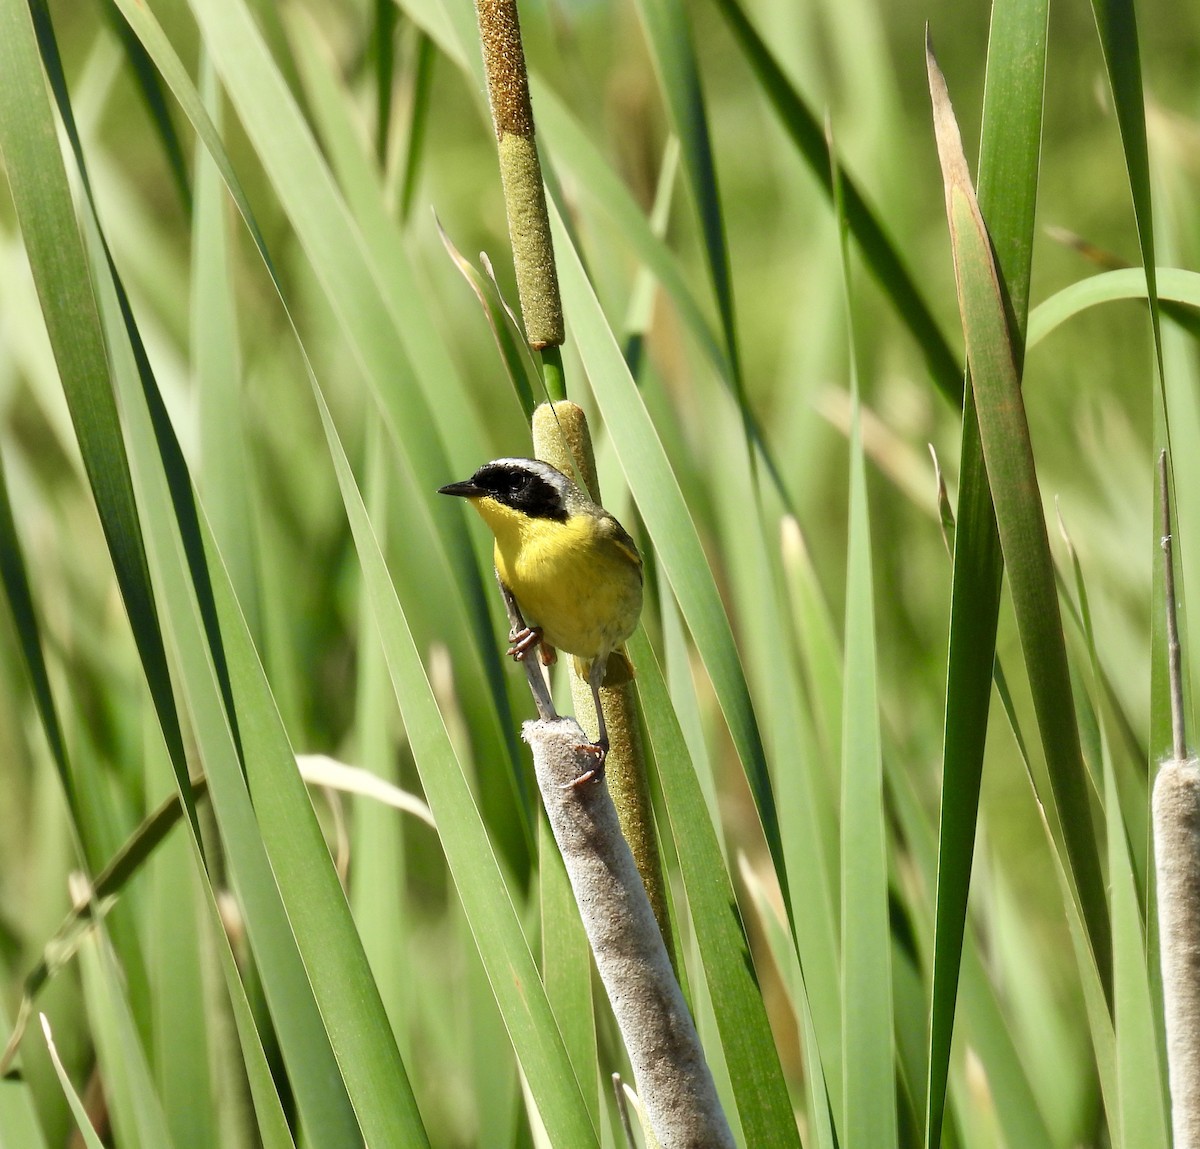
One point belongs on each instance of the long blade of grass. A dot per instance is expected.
(1142, 1117)
(366, 307)
(1116, 24)
(1142, 1120)
(984, 1023)
(420, 105)
(1172, 283)
(868, 1047)
(808, 794)
(377, 838)
(513, 976)
(869, 1112)
(1004, 434)
(138, 1119)
(760, 1092)
(880, 253)
(567, 967)
(485, 898)
(1008, 165)
(90, 1137)
(38, 182)
(320, 1092)
(19, 596)
(660, 501)
(225, 475)
(337, 248)
(190, 1024)
(779, 940)
(19, 1122)
(669, 36)
(150, 86)
(345, 1005)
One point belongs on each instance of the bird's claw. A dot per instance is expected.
(523, 640)
(596, 773)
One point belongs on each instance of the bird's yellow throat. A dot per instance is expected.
(568, 577)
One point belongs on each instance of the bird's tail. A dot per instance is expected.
(619, 670)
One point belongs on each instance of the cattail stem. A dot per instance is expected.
(673, 1080)
(520, 172)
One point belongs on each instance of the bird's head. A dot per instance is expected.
(507, 492)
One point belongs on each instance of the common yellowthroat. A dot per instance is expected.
(573, 570)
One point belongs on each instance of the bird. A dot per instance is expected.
(573, 570)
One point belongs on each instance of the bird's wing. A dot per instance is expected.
(619, 535)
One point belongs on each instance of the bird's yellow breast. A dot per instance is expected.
(575, 578)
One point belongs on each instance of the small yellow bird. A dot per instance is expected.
(574, 571)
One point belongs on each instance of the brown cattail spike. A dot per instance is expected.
(520, 172)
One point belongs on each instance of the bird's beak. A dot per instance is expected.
(467, 489)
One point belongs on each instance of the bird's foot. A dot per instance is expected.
(596, 773)
(523, 641)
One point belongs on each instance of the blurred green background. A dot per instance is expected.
(233, 381)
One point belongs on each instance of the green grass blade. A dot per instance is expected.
(1116, 23)
(225, 477)
(1174, 284)
(420, 105)
(90, 1138)
(669, 36)
(319, 1090)
(19, 1122)
(365, 297)
(1008, 165)
(377, 836)
(137, 1115)
(567, 968)
(760, 1092)
(661, 505)
(570, 149)
(1143, 1105)
(17, 592)
(154, 97)
(779, 940)
(880, 253)
(868, 1055)
(1010, 141)
(337, 249)
(177, 950)
(1004, 433)
(383, 37)
(273, 1131)
(808, 795)
(486, 901)
(343, 1000)
(1142, 1118)
(974, 614)
(982, 1019)
(38, 182)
